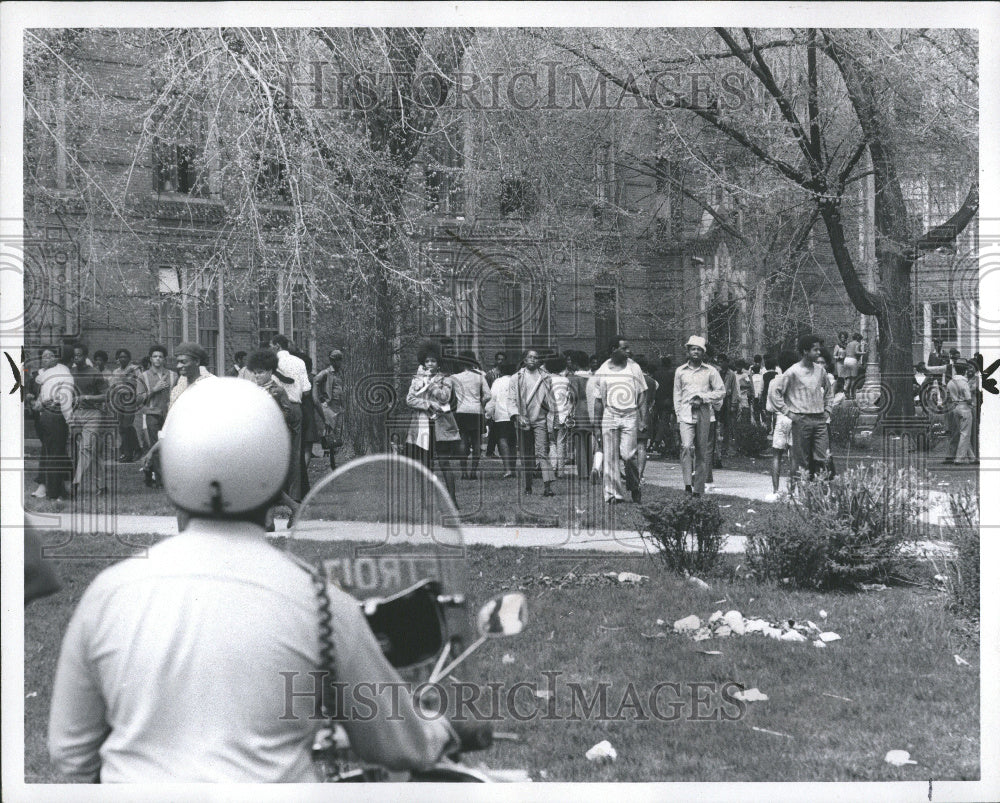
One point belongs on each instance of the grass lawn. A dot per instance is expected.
(894, 664)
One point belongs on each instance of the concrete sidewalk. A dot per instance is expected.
(743, 484)
(556, 538)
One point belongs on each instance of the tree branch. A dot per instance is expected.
(709, 115)
(947, 232)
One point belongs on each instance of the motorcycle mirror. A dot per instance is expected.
(505, 615)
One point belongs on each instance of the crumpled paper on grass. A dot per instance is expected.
(602, 751)
(898, 758)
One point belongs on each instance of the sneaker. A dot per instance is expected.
(637, 496)
(39, 492)
(772, 497)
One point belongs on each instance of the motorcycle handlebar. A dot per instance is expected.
(473, 735)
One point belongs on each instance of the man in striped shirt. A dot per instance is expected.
(804, 395)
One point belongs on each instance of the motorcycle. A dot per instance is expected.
(383, 529)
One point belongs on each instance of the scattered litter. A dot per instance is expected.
(660, 623)
(838, 697)
(822, 614)
(710, 652)
(605, 627)
(552, 635)
(941, 578)
(958, 660)
(898, 758)
(734, 619)
(773, 733)
(720, 601)
(873, 587)
(688, 623)
(724, 506)
(631, 577)
(738, 524)
(653, 635)
(508, 658)
(751, 510)
(543, 774)
(602, 751)
(35, 693)
(695, 581)
(753, 695)
(733, 623)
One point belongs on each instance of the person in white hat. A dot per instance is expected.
(697, 388)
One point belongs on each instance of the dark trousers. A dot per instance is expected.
(492, 439)
(810, 442)
(533, 444)
(128, 440)
(55, 463)
(582, 438)
(723, 427)
(503, 432)
(664, 428)
(294, 485)
(470, 427)
(444, 453)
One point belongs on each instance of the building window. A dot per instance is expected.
(300, 326)
(170, 310)
(466, 317)
(444, 176)
(605, 316)
(944, 323)
(267, 308)
(207, 312)
(941, 200)
(176, 168)
(272, 182)
(517, 197)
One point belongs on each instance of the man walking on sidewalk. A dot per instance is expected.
(620, 400)
(530, 402)
(697, 388)
(804, 395)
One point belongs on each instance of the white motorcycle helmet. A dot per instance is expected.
(225, 448)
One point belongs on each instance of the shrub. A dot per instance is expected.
(842, 532)
(749, 438)
(685, 532)
(962, 567)
(843, 420)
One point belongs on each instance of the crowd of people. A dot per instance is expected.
(569, 416)
(581, 418)
(86, 413)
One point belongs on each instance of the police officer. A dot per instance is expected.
(176, 666)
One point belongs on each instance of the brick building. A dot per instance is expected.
(629, 254)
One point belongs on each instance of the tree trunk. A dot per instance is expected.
(895, 346)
